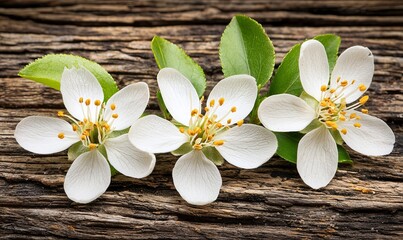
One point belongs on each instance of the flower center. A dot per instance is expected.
(92, 130)
(333, 107)
(203, 128)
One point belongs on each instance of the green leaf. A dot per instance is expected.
(332, 44)
(162, 106)
(288, 146)
(286, 79)
(245, 48)
(118, 133)
(185, 148)
(253, 116)
(76, 150)
(212, 154)
(48, 71)
(344, 157)
(167, 54)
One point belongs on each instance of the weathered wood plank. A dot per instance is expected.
(363, 201)
(157, 13)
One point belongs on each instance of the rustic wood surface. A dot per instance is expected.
(364, 201)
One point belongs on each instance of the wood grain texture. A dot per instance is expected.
(364, 201)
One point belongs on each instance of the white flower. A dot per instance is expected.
(196, 177)
(317, 155)
(92, 123)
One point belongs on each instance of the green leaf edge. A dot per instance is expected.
(343, 155)
(56, 84)
(298, 45)
(198, 67)
(269, 41)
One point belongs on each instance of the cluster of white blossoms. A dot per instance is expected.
(326, 115)
(204, 136)
(218, 126)
(93, 123)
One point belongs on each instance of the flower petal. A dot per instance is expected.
(373, 138)
(355, 63)
(317, 158)
(76, 83)
(180, 97)
(313, 67)
(127, 159)
(40, 134)
(156, 135)
(196, 178)
(88, 177)
(129, 103)
(247, 146)
(285, 113)
(238, 91)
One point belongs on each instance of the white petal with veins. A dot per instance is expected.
(40, 134)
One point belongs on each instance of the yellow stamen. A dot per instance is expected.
(219, 125)
(239, 123)
(342, 118)
(221, 101)
(353, 115)
(210, 137)
(115, 115)
(113, 106)
(344, 131)
(81, 99)
(229, 121)
(338, 79)
(97, 102)
(83, 137)
(323, 88)
(358, 118)
(197, 146)
(92, 146)
(194, 112)
(352, 82)
(197, 130)
(233, 109)
(60, 135)
(332, 90)
(191, 132)
(88, 102)
(212, 103)
(106, 126)
(74, 127)
(364, 99)
(323, 103)
(181, 129)
(60, 113)
(85, 120)
(365, 111)
(218, 142)
(357, 125)
(344, 83)
(331, 124)
(206, 109)
(362, 87)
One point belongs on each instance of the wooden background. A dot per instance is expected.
(363, 201)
